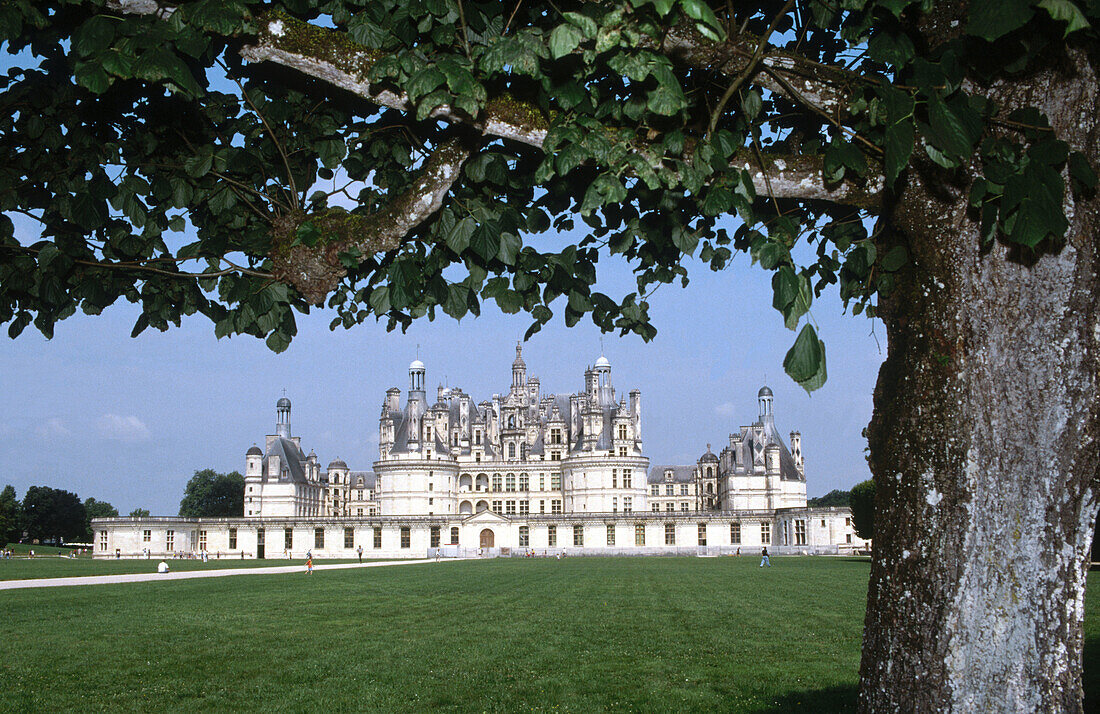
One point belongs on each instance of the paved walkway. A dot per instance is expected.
(187, 574)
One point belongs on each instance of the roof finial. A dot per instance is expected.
(418, 350)
(284, 391)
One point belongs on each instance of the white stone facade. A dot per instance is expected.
(522, 471)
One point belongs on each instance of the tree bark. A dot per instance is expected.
(984, 445)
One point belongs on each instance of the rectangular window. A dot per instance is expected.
(555, 507)
(655, 490)
(524, 482)
(639, 534)
(627, 478)
(847, 537)
(454, 535)
(800, 532)
(510, 508)
(555, 482)
(497, 506)
(766, 533)
(822, 522)
(622, 451)
(435, 537)
(628, 504)
(542, 482)
(683, 489)
(146, 536)
(542, 506)
(848, 522)
(319, 538)
(358, 511)
(610, 534)
(524, 508)
(103, 540)
(377, 537)
(349, 538)
(496, 482)
(202, 541)
(684, 506)
(670, 534)
(735, 534)
(510, 482)
(670, 490)
(524, 537)
(232, 539)
(655, 507)
(702, 534)
(614, 504)
(614, 478)
(555, 456)
(670, 506)
(288, 539)
(578, 536)
(169, 540)
(406, 537)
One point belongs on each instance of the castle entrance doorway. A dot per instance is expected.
(487, 538)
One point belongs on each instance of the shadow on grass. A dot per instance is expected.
(830, 700)
(1090, 678)
(834, 700)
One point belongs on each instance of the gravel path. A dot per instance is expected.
(185, 575)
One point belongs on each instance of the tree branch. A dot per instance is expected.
(316, 270)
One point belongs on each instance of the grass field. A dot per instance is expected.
(55, 567)
(581, 634)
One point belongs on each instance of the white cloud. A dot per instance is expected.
(725, 409)
(122, 428)
(52, 428)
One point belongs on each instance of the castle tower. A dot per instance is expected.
(282, 418)
(416, 378)
(764, 396)
(519, 371)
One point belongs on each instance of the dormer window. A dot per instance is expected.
(668, 475)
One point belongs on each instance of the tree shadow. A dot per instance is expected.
(1090, 677)
(828, 700)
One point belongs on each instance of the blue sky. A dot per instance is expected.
(129, 420)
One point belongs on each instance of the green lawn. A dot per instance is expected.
(55, 567)
(581, 634)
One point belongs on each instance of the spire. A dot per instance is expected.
(282, 417)
(519, 370)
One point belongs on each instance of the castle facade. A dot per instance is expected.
(519, 472)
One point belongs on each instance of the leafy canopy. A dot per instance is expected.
(513, 146)
(210, 494)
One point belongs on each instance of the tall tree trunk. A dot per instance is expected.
(984, 447)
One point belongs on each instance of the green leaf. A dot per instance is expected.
(424, 82)
(1067, 12)
(95, 35)
(805, 361)
(564, 39)
(510, 245)
(278, 342)
(990, 19)
(459, 237)
(586, 24)
(948, 133)
(898, 143)
(92, 76)
(1081, 171)
(895, 258)
(708, 22)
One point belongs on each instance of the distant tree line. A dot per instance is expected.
(49, 515)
